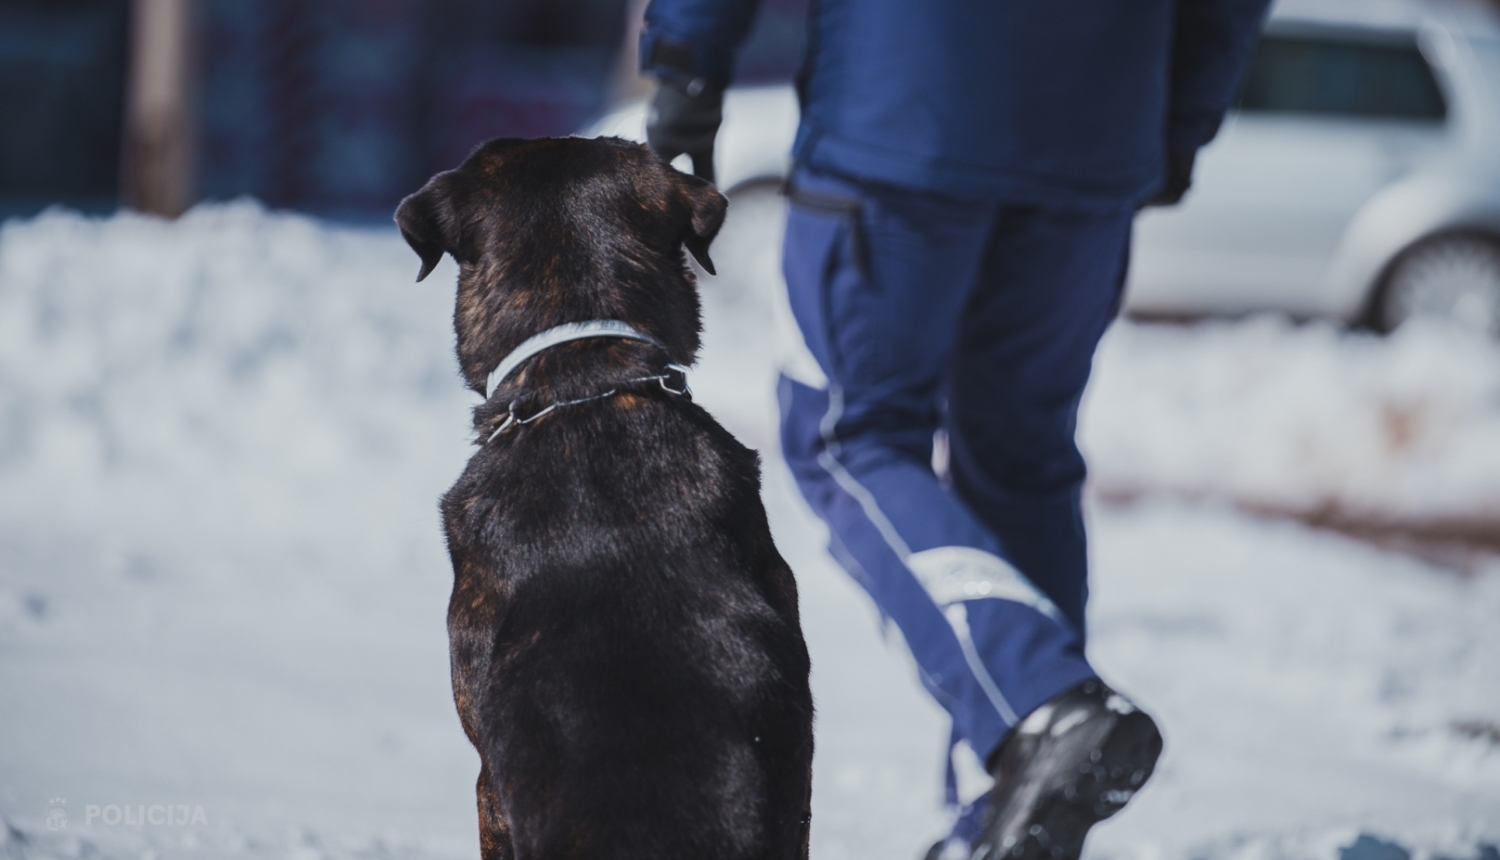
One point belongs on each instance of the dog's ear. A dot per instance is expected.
(706, 208)
(429, 222)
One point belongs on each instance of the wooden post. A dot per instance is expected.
(157, 166)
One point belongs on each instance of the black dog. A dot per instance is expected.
(626, 652)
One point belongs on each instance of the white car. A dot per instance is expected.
(1358, 179)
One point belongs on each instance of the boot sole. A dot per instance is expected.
(1115, 771)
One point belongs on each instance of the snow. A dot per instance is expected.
(1306, 420)
(222, 580)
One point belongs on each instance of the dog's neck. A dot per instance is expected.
(672, 378)
(562, 334)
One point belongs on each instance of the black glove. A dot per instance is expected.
(684, 118)
(1178, 180)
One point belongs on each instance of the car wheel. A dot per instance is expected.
(1454, 277)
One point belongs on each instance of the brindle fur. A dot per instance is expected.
(626, 651)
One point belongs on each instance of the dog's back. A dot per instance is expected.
(626, 650)
(646, 691)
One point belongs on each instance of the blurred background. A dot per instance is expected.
(339, 107)
(226, 414)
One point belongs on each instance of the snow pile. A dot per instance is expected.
(1351, 428)
(222, 578)
(140, 360)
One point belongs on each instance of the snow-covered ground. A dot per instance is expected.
(222, 582)
(1357, 430)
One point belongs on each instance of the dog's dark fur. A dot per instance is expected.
(626, 652)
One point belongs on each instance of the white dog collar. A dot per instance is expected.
(562, 334)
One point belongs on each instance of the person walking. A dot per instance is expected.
(966, 176)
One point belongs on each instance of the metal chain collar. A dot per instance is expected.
(677, 375)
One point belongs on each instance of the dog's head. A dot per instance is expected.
(563, 230)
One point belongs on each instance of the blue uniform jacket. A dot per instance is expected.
(1047, 101)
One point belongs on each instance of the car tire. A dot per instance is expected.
(1453, 277)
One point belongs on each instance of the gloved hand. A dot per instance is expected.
(684, 118)
(1178, 180)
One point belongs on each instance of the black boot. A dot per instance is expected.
(1072, 763)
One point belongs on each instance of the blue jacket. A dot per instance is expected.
(1047, 101)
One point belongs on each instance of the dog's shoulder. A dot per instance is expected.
(600, 466)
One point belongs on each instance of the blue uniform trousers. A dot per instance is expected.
(918, 313)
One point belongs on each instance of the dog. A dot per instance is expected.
(627, 655)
